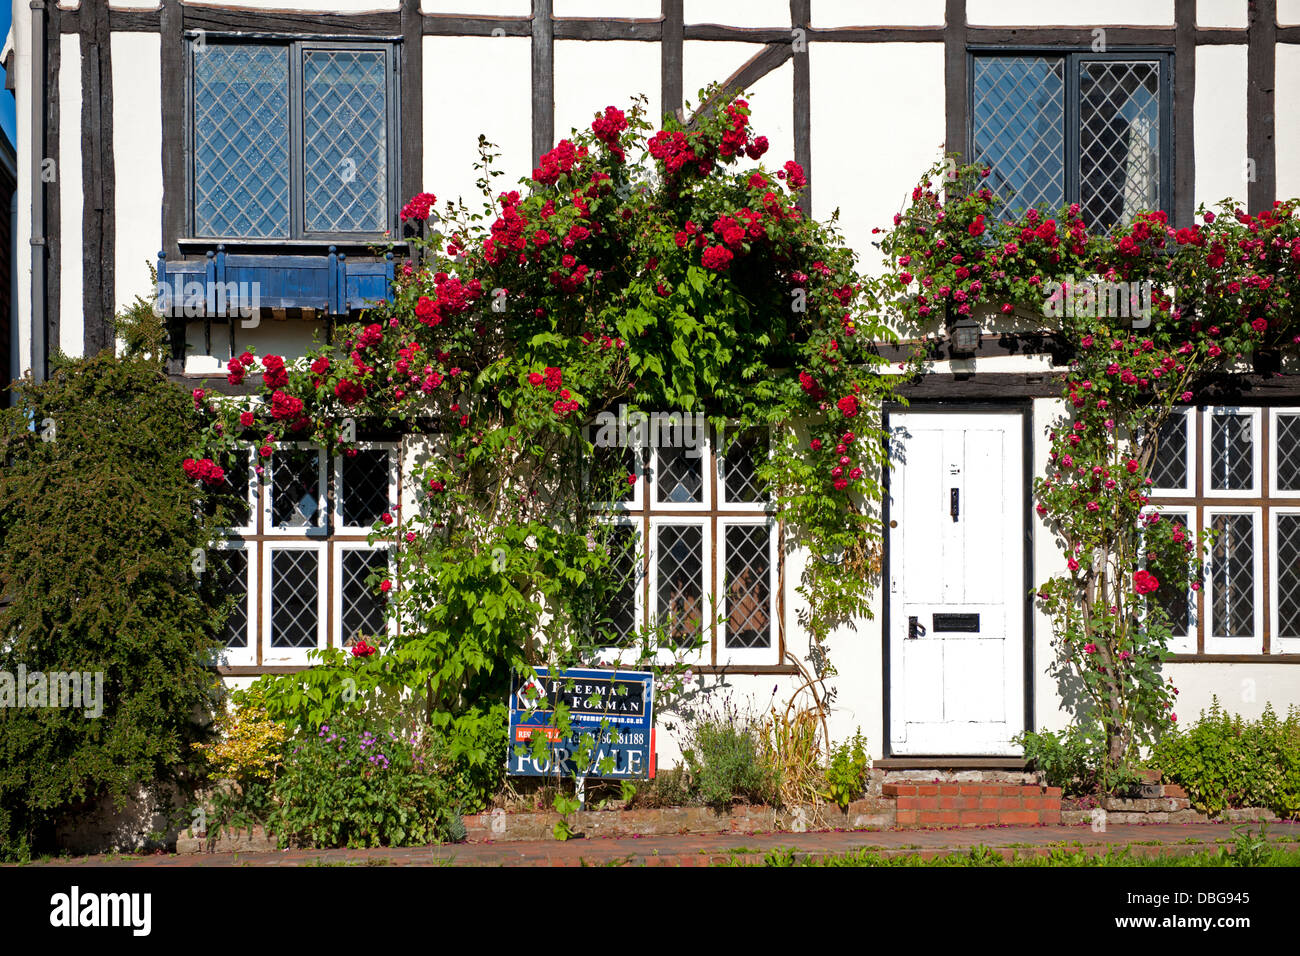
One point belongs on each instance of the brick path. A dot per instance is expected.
(702, 849)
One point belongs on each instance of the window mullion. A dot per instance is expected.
(1073, 119)
(296, 198)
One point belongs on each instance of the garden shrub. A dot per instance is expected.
(98, 536)
(357, 783)
(1223, 761)
(725, 757)
(846, 772)
(244, 763)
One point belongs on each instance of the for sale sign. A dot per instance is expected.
(615, 708)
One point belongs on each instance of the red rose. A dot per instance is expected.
(1144, 582)
(285, 406)
(976, 228)
(848, 405)
(246, 419)
(716, 258)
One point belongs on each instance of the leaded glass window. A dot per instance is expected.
(747, 565)
(1231, 451)
(364, 488)
(1073, 127)
(1287, 570)
(295, 598)
(363, 604)
(680, 574)
(1169, 468)
(1232, 574)
(292, 139)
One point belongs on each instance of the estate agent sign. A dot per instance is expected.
(614, 707)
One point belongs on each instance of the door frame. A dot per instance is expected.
(1024, 407)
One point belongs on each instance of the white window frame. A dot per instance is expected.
(1277, 643)
(245, 656)
(272, 656)
(706, 451)
(748, 656)
(1189, 491)
(1216, 643)
(250, 456)
(322, 527)
(1274, 450)
(339, 547)
(336, 504)
(725, 503)
(1185, 644)
(709, 610)
(1254, 413)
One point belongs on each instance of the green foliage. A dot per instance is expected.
(846, 773)
(358, 783)
(727, 762)
(98, 532)
(565, 806)
(1224, 761)
(141, 327)
(1072, 759)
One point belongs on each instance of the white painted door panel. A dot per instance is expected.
(957, 678)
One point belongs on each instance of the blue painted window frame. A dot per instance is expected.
(297, 231)
(1072, 58)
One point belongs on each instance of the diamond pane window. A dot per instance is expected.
(680, 475)
(241, 140)
(1233, 575)
(1286, 451)
(738, 468)
(1175, 601)
(1018, 121)
(363, 605)
(680, 577)
(232, 578)
(345, 136)
(1073, 127)
(1119, 139)
(747, 567)
(1287, 569)
(625, 573)
(365, 486)
(1169, 468)
(292, 139)
(297, 495)
(295, 594)
(1232, 451)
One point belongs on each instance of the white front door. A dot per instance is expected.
(956, 583)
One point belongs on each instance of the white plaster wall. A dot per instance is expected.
(707, 61)
(1069, 12)
(752, 13)
(457, 110)
(1241, 688)
(290, 338)
(137, 161)
(869, 149)
(867, 13)
(604, 9)
(1220, 123)
(322, 6)
(592, 75)
(71, 321)
(1221, 13)
(1048, 560)
(1286, 102)
(1288, 12)
(479, 8)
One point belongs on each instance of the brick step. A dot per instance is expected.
(974, 804)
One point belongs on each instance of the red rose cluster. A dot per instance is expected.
(419, 207)
(284, 406)
(558, 161)
(204, 470)
(275, 374)
(362, 649)
(452, 297)
(238, 367)
(607, 129)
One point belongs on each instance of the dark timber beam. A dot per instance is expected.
(670, 59)
(412, 99)
(800, 17)
(174, 57)
(53, 190)
(1261, 58)
(1184, 112)
(543, 78)
(98, 179)
(759, 65)
(954, 77)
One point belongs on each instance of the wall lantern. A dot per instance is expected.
(964, 336)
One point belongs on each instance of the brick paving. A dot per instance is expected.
(703, 849)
